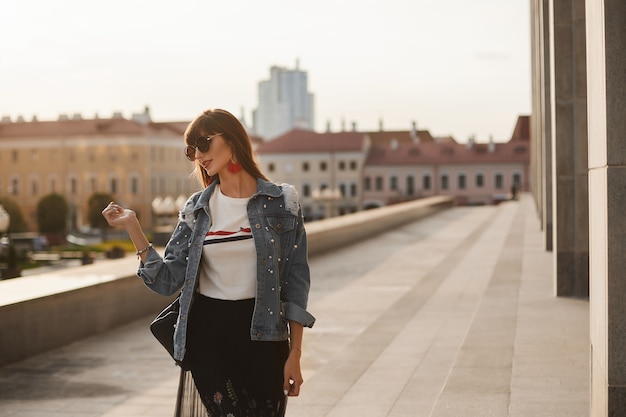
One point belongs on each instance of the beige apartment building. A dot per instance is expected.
(402, 166)
(325, 168)
(374, 169)
(135, 160)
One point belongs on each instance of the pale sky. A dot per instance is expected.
(456, 67)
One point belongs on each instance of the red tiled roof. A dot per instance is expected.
(298, 140)
(404, 136)
(87, 127)
(522, 129)
(446, 139)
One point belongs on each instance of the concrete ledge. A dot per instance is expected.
(42, 312)
(46, 311)
(328, 234)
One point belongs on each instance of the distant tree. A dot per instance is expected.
(17, 223)
(96, 203)
(52, 212)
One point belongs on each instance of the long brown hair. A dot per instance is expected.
(211, 122)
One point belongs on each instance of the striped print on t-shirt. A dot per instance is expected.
(228, 265)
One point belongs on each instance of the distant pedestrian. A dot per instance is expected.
(239, 252)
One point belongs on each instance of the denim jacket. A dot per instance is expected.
(282, 266)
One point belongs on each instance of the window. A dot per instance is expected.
(444, 182)
(517, 180)
(342, 189)
(353, 165)
(305, 166)
(15, 186)
(323, 166)
(426, 182)
(34, 186)
(461, 181)
(480, 180)
(342, 166)
(498, 180)
(93, 184)
(367, 183)
(134, 185)
(393, 183)
(73, 186)
(113, 186)
(379, 183)
(14, 156)
(52, 185)
(353, 189)
(410, 185)
(306, 190)
(270, 167)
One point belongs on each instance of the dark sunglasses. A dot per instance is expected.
(203, 143)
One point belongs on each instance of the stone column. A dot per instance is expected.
(545, 97)
(606, 68)
(541, 137)
(569, 157)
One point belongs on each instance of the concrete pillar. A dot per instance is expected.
(606, 64)
(569, 159)
(541, 119)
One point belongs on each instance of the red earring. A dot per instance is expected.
(234, 167)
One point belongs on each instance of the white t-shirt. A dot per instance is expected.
(228, 265)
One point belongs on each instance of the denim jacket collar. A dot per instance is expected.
(263, 187)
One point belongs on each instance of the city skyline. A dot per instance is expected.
(456, 68)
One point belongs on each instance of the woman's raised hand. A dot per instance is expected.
(116, 215)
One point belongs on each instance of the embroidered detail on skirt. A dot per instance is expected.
(234, 375)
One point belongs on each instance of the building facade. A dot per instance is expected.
(412, 164)
(134, 160)
(285, 103)
(343, 172)
(326, 169)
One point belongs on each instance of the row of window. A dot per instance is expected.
(444, 182)
(346, 190)
(158, 185)
(323, 166)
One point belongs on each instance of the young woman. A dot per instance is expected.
(239, 253)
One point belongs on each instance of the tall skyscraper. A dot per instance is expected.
(284, 103)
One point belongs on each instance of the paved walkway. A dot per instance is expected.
(448, 316)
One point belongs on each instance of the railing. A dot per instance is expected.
(45, 311)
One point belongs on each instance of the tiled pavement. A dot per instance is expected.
(452, 315)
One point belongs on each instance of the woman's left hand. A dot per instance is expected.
(293, 374)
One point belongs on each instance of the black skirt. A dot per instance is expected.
(234, 375)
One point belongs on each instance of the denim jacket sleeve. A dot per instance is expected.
(166, 275)
(295, 292)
